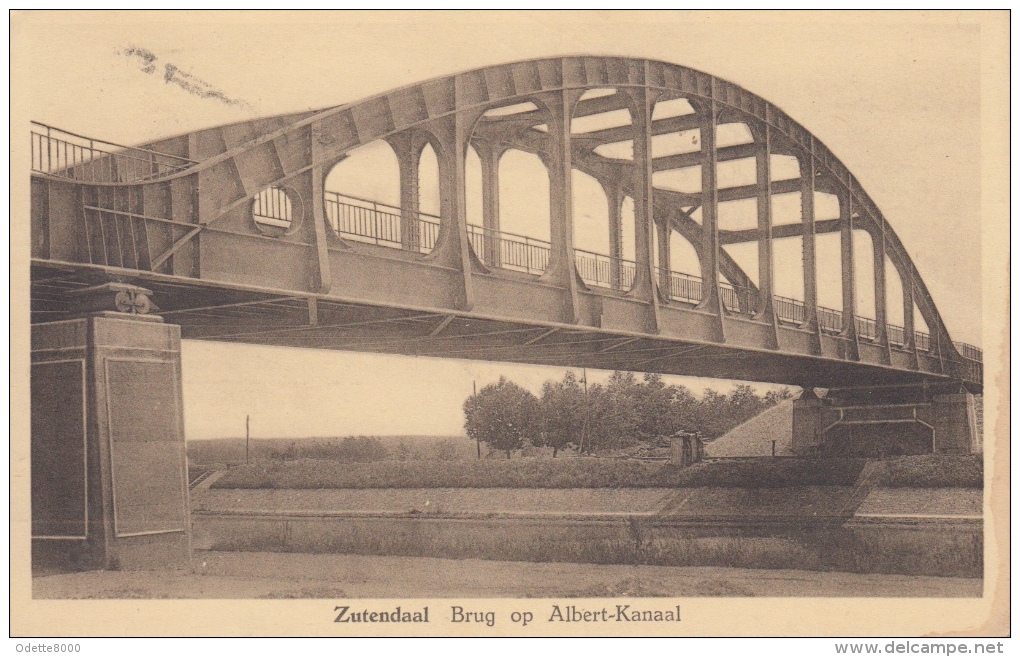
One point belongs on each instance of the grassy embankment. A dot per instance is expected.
(914, 471)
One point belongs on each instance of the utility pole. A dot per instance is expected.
(478, 441)
(247, 437)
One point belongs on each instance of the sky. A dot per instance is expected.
(896, 99)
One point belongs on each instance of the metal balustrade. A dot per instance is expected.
(789, 310)
(382, 224)
(272, 211)
(683, 287)
(601, 270)
(738, 299)
(866, 328)
(896, 334)
(64, 154)
(363, 220)
(517, 252)
(969, 351)
(830, 320)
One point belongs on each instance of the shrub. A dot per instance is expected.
(931, 471)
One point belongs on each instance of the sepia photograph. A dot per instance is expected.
(539, 323)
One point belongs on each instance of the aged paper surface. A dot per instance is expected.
(914, 103)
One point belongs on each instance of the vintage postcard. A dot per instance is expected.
(594, 323)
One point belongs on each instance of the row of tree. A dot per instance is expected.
(572, 414)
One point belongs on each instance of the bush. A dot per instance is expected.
(931, 471)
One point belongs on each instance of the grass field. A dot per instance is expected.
(914, 471)
(232, 451)
(542, 473)
(930, 471)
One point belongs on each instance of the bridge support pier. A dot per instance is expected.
(956, 424)
(879, 422)
(109, 468)
(808, 429)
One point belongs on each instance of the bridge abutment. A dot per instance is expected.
(881, 422)
(808, 412)
(109, 467)
(956, 424)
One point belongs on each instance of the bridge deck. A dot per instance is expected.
(237, 313)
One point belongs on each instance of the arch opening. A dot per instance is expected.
(738, 215)
(738, 298)
(788, 254)
(829, 271)
(507, 204)
(524, 221)
(826, 206)
(922, 333)
(428, 182)
(786, 209)
(599, 109)
(273, 212)
(594, 231)
(676, 143)
(784, 167)
(736, 173)
(600, 232)
(362, 195)
(864, 283)
(669, 108)
(475, 202)
(894, 305)
(732, 134)
(685, 181)
(679, 267)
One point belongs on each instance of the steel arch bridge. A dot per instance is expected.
(233, 235)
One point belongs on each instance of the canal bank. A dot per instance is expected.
(859, 529)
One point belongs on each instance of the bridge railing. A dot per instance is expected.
(897, 334)
(517, 252)
(830, 320)
(601, 270)
(363, 220)
(867, 328)
(65, 154)
(683, 287)
(969, 351)
(385, 225)
(738, 299)
(789, 310)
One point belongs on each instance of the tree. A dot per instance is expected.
(563, 411)
(612, 414)
(744, 404)
(503, 415)
(713, 413)
(773, 397)
(662, 410)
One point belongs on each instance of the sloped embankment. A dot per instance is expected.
(754, 437)
(858, 524)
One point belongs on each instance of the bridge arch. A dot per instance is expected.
(233, 164)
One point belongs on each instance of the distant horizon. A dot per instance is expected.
(325, 437)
